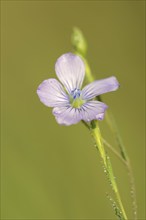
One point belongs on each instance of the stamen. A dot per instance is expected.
(76, 93)
(76, 100)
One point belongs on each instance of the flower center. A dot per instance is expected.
(75, 99)
(76, 93)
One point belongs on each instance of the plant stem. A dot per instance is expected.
(112, 124)
(107, 145)
(129, 169)
(95, 131)
(114, 151)
(80, 48)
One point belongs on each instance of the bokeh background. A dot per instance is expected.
(51, 171)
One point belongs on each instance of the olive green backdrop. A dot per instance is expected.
(51, 171)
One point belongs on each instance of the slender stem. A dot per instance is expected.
(87, 126)
(130, 172)
(124, 156)
(112, 124)
(114, 151)
(121, 205)
(107, 164)
(133, 189)
(107, 145)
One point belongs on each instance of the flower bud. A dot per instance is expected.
(79, 42)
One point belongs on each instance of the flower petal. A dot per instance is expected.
(89, 111)
(99, 87)
(93, 110)
(70, 70)
(52, 94)
(67, 115)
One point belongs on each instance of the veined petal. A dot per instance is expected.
(89, 111)
(93, 110)
(52, 94)
(70, 70)
(99, 87)
(67, 115)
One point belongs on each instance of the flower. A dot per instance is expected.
(70, 103)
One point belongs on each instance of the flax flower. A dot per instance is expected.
(70, 102)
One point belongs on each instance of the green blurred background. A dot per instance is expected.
(51, 171)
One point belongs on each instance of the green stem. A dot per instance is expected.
(107, 145)
(107, 164)
(112, 124)
(114, 151)
(80, 48)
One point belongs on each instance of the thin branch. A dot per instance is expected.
(114, 151)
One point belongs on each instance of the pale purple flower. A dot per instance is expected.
(70, 103)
